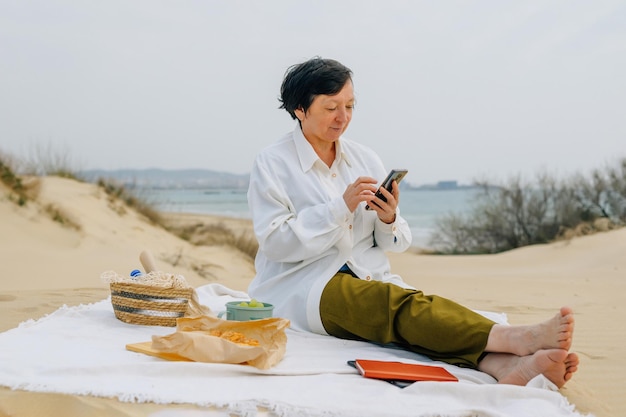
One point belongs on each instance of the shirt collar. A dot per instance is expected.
(306, 153)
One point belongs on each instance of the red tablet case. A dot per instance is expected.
(402, 371)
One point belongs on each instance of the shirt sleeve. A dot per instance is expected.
(285, 235)
(393, 237)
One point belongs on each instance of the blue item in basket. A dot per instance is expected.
(135, 273)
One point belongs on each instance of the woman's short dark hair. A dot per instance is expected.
(311, 78)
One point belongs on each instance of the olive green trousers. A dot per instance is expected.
(385, 313)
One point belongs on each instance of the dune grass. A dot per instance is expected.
(22, 178)
(21, 189)
(131, 199)
(198, 234)
(215, 234)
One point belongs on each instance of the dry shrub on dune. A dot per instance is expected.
(519, 213)
(215, 234)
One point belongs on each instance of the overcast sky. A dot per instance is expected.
(451, 90)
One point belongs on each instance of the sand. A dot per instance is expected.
(46, 264)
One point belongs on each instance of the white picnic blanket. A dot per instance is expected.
(81, 350)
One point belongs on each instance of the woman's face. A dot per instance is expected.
(328, 116)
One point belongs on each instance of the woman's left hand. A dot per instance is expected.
(387, 210)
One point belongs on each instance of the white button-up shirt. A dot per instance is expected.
(305, 230)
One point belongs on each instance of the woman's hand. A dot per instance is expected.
(387, 210)
(362, 189)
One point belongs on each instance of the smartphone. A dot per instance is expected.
(394, 175)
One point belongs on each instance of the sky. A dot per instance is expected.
(450, 90)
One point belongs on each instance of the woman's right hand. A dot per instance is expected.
(360, 190)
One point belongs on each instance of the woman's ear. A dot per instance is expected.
(299, 113)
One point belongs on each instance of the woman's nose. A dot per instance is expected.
(342, 115)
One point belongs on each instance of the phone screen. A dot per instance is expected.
(394, 174)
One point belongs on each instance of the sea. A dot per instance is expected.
(420, 207)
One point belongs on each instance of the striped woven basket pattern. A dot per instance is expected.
(149, 305)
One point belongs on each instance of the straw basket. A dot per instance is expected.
(149, 305)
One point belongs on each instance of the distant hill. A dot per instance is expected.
(442, 185)
(205, 178)
(163, 178)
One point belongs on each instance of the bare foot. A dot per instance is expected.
(555, 364)
(555, 333)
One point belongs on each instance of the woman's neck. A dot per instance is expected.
(326, 151)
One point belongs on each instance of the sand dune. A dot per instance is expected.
(46, 265)
(41, 253)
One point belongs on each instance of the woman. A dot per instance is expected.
(321, 258)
